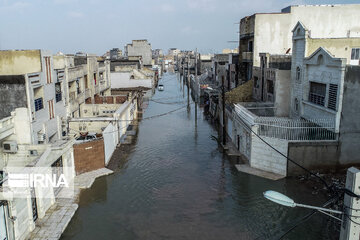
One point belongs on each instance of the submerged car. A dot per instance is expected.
(161, 87)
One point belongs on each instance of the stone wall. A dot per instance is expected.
(265, 158)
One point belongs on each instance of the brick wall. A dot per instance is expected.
(89, 156)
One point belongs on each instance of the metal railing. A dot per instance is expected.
(296, 129)
(317, 99)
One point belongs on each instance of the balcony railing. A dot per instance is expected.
(297, 129)
(317, 99)
(6, 127)
(287, 128)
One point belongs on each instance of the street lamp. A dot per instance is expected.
(288, 202)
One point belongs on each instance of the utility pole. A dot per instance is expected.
(187, 82)
(223, 110)
(196, 87)
(350, 229)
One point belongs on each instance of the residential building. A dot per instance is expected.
(219, 68)
(140, 48)
(322, 109)
(173, 51)
(272, 81)
(115, 53)
(32, 133)
(85, 77)
(271, 32)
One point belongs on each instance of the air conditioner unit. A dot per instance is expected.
(10, 147)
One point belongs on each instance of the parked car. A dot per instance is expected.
(161, 87)
(85, 138)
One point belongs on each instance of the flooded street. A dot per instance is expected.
(174, 183)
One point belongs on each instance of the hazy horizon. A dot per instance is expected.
(96, 26)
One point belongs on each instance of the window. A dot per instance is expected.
(317, 93)
(296, 105)
(320, 60)
(298, 74)
(78, 90)
(58, 94)
(332, 102)
(38, 98)
(250, 46)
(355, 53)
(270, 86)
(95, 78)
(39, 104)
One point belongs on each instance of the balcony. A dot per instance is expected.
(87, 93)
(97, 89)
(6, 127)
(268, 125)
(247, 56)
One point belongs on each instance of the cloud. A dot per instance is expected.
(16, 6)
(75, 14)
(202, 5)
(188, 30)
(167, 8)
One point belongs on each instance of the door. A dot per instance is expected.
(34, 205)
(3, 228)
(57, 169)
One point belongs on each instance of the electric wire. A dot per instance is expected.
(308, 216)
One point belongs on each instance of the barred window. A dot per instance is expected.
(298, 74)
(317, 93)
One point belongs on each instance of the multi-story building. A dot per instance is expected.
(33, 109)
(140, 48)
(85, 77)
(271, 32)
(174, 51)
(321, 130)
(115, 53)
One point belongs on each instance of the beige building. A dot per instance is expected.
(39, 93)
(271, 32)
(33, 110)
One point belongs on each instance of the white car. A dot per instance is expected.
(161, 87)
(86, 138)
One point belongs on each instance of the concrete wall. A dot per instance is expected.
(282, 93)
(111, 139)
(313, 156)
(265, 158)
(89, 156)
(273, 31)
(349, 123)
(140, 48)
(87, 126)
(338, 47)
(98, 110)
(12, 94)
(20, 62)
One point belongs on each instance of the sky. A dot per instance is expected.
(95, 26)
